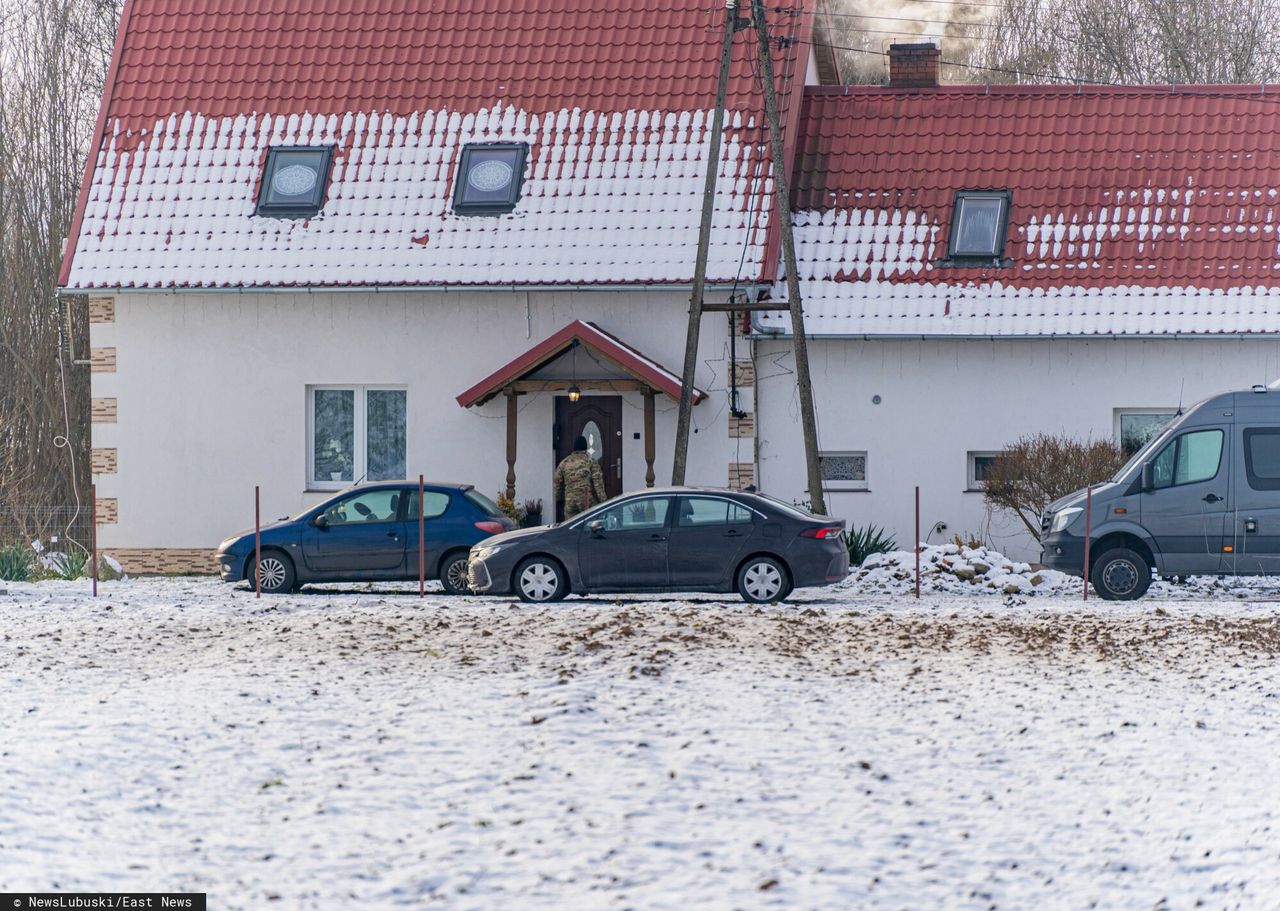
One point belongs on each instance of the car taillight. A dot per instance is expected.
(829, 532)
(493, 528)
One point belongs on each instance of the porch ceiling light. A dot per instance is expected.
(574, 392)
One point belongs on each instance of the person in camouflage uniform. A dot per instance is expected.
(579, 480)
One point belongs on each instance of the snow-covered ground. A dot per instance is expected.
(853, 748)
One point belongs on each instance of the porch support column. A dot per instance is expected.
(512, 420)
(648, 438)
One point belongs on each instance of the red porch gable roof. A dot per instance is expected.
(591, 336)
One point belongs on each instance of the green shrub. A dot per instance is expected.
(69, 565)
(16, 562)
(863, 542)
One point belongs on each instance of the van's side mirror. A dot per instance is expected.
(320, 521)
(1146, 477)
(596, 527)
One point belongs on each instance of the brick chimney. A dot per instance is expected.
(914, 66)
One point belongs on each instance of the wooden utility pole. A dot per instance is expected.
(704, 242)
(781, 193)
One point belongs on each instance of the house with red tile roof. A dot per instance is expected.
(321, 245)
(980, 262)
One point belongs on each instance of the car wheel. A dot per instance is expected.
(541, 579)
(453, 574)
(278, 576)
(763, 579)
(1121, 574)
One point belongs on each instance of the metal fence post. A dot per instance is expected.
(93, 534)
(257, 539)
(422, 539)
(917, 541)
(1088, 530)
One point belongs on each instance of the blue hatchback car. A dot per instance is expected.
(369, 533)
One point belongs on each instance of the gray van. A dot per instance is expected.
(1203, 497)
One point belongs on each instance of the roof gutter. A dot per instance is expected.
(392, 289)
(770, 333)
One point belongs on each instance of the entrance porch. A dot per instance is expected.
(588, 371)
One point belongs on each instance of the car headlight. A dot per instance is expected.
(484, 553)
(1063, 517)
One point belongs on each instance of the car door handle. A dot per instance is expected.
(1211, 498)
(657, 537)
(393, 534)
(733, 534)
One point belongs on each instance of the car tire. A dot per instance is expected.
(278, 576)
(541, 579)
(453, 573)
(762, 580)
(1120, 574)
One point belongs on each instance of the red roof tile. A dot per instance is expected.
(1127, 198)
(199, 89)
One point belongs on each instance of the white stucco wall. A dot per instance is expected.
(942, 399)
(211, 392)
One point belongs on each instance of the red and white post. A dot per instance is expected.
(1088, 531)
(257, 539)
(917, 541)
(422, 537)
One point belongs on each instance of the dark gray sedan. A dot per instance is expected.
(661, 540)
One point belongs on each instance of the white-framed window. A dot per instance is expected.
(843, 470)
(1135, 427)
(355, 433)
(979, 461)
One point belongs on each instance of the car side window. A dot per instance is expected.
(1262, 457)
(437, 505)
(696, 512)
(369, 506)
(1188, 459)
(650, 512)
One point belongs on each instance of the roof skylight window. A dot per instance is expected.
(979, 225)
(489, 178)
(294, 181)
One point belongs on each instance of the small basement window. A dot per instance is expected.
(843, 470)
(489, 178)
(979, 462)
(979, 225)
(1135, 427)
(294, 181)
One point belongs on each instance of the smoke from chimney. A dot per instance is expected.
(868, 28)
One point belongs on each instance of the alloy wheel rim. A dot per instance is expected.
(457, 575)
(272, 572)
(762, 581)
(1121, 576)
(538, 581)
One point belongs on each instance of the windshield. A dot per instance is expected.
(1142, 454)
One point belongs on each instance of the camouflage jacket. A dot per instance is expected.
(579, 482)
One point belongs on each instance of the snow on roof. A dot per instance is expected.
(1136, 211)
(616, 114)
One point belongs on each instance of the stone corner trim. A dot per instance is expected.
(103, 461)
(102, 309)
(103, 410)
(108, 510)
(744, 426)
(102, 360)
(741, 475)
(152, 561)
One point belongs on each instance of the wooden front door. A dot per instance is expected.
(599, 419)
